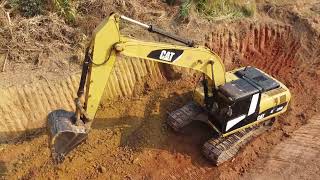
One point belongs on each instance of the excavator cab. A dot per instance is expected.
(240, 100)
(237, 103)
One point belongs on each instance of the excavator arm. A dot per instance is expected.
(108, 44)
(68, 129)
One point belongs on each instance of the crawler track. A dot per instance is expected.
(183, 116)
(220, 150)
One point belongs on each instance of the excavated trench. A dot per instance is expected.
(130, 138)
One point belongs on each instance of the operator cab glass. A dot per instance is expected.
(240, 92)
(233, 100)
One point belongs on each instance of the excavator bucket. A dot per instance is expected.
(64, 134)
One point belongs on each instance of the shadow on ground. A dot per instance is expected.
(150, 131)
(3, 169)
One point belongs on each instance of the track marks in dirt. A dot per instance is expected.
(295, 158)
(25, 107)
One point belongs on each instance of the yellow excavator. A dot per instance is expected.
(238, 105)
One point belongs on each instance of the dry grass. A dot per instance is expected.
(32, 40)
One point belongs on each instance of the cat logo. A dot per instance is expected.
(166, 55)
(261, 116)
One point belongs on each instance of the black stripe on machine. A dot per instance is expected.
(244, 120)
(271, 111)
(250, 114)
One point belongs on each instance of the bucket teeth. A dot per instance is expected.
(64, 135)
(183, 116)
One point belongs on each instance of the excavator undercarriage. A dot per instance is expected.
(236, 104)
(218, 149)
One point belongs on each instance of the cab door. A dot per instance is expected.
(244, 111)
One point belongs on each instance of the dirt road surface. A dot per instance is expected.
(296, 158)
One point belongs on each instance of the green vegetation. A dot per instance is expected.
(185, 8)
(219, 9)
(64, 8)
(30, 8)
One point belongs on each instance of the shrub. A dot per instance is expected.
(64, 8)
(185, 8)
(28, 8)
(219, 8)
(249, 9)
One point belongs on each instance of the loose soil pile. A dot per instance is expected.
(130, 139)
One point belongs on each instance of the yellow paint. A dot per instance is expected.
(196, 58)
(104, 38)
